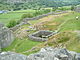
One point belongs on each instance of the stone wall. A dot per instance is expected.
(25, 21)
(44, 15)
(77, 9)
(6, 36)
(41, 35)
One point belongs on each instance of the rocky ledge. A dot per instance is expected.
(47, 53)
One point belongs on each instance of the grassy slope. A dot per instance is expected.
(21, 45)
(52, 23)
(71, 24)
(15, 15)
(67, 37)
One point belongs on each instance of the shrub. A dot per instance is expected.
(63, 39)
(72, 8)
(47, 10)
(12, 23)
(36, 13)
(28, 15)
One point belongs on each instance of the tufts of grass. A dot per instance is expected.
(20, 46)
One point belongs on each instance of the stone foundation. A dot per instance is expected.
(42, 35)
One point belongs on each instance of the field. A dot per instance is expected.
(20, 46)
(66, 23)
(14, 15)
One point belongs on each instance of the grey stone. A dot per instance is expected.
(12, 56)
(54, 54)
(41, 35)
(77, 9)
(47, 53)
(26, 20)
(6, 36)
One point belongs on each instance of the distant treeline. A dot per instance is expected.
(35, 4)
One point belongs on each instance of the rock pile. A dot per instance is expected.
(47, 53)
(55, 54)
(12, 56)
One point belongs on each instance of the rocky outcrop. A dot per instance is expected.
(12, 56)
(47, 53)
(77, 9)
(55, 54)
(6, 36)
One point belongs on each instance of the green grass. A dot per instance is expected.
(74, 44)
(22, 45)
(71, 24)
(34, 21)
(15, 15)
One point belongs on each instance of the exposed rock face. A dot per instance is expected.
(77, 9)
(6, 36)
(47, 53)
(12, 56)
(55, 54)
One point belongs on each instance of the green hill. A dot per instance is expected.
(35, 4)
(67, 37)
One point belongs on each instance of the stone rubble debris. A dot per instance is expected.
(47, 53)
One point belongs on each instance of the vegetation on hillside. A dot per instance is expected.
(35, 4)
(67, 37)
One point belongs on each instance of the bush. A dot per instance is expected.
(28, 15)
(47, 10)
(63, 39)
(36, 13)
(12, 23)
(72, 8)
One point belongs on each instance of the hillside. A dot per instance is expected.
(37, 4)
(19, 1)
(67, 37)
(39, 29)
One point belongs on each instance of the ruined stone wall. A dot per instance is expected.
(25, 21)
(6, 36)
(35, 36)
(77, 9)
(44, 15)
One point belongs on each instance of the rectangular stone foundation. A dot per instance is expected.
(41, 35)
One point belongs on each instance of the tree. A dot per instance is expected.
(72, 8)
(12, 23)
